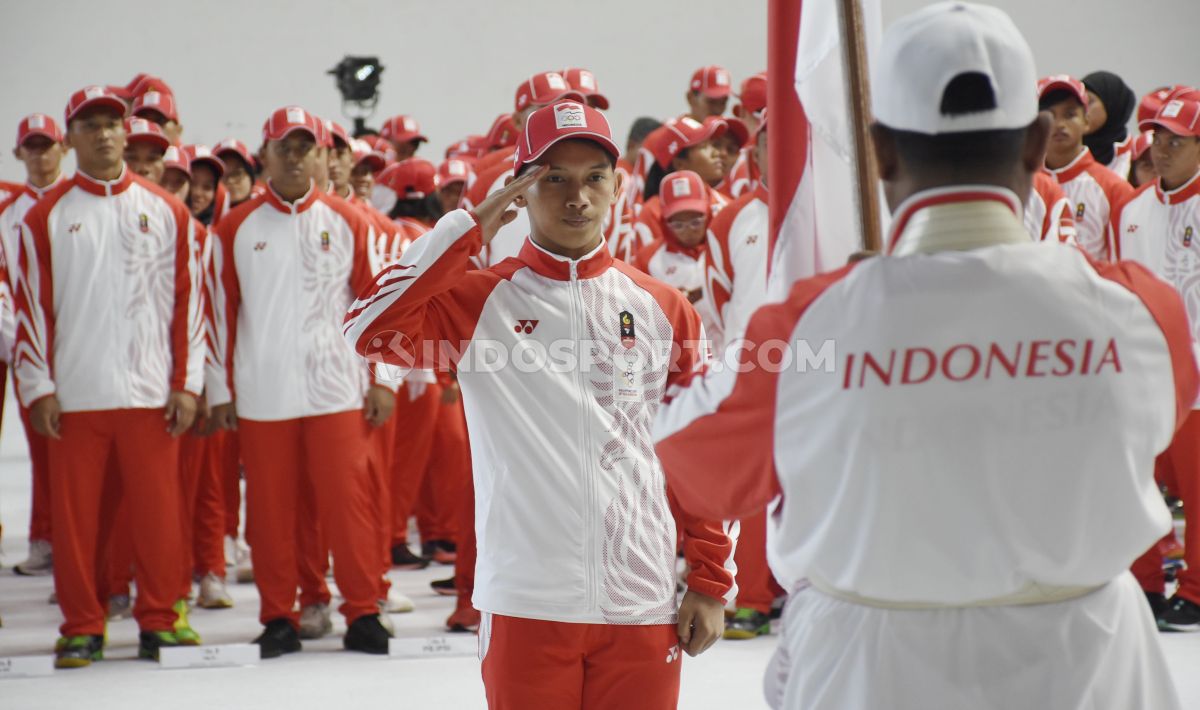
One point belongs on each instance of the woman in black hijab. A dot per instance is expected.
(1110, 105)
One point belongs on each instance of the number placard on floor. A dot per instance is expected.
(26, 667)
(223, 656)
(434, 647)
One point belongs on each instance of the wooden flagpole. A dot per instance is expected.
(858, 94)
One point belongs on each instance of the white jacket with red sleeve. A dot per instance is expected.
(562, 365)
(737, 263)
(110, 296)
(283, 276)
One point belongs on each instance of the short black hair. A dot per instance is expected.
(427, 207)
(965, 94)
(642, 127)
(612, 161)
(656, 173)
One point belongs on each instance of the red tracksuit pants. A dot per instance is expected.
(203, 508)
(1178, 468)
(416, 419)
(757, 588)
(39, 519)
(146, 461)
(548, 664)
(321, 463)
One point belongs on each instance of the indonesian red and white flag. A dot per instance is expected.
(814, 219)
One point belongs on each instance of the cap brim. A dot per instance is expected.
(375, 159)
(1064, 86)
(717, 92)
(571, 94)
(38, 132)
(1170, 126)
(695, 204)
(180, 168)
(212, 160)
(280, 135)
(410, 137)
(597, 100)
(142, 109)
(110, 101)
(161, 141)
(602, 140)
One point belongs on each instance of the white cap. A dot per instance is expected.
(924, 51)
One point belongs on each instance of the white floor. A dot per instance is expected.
(728, 677)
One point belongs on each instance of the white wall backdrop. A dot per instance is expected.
(455, 63)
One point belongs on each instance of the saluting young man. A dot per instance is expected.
(109, 276)
(957, 495)
(304, 407)
(576, 538)
(40, 147)
(1160, 228)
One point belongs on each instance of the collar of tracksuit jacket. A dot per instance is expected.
(104, 188)
(561, 268)
(956, 218)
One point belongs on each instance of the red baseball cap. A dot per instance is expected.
(565, 119)
(738, 129)
(145, 82)
(363, 152)
(337, 133)
(1178, 116)
(544, 89)
(384, 147)
(666, 141)
(470, 148)
(584, 82)
(753, 93)
(1063, 82)
(712, 81)
(203, 154)
(92, 96)
(1141, 144)
(235, 146)
(402, 129)
(452, 171)
(139, 129)
(324, 136)
(177, 158)
(411, 179)
(159, 101)
(288, 119)
(503, 132)
(683, 191)
(38, 124)
(1152, 102)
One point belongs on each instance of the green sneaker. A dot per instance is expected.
(78, 651)
(185, 635)
(747, 624)
(150, 641)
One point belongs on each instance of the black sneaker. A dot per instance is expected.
(150, 641)
(445, 587)
(278, 637)
(403, 558)
(366, 634)
(1181, 615)
(443, 552)
(1158, 604)
(78, 651)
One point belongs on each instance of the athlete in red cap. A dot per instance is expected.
(1094, 190)
(145, 145)
(404, 133)
(241, 169)
(177, 173)
(743, 176)
(40, 147)
(708, 93)
(575, 572)
(159, 107)
(83, 314)
(1141, 168)
(283, 263)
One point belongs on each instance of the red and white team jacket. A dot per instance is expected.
(945, 397)
(1094, 191)
(647, 228)
(562, 366)
(1122, 157)
(1048, 213)
(744, 176)
(12, 214)
(738, 259)
(283, 275)
(1161, 230)
(110, 296)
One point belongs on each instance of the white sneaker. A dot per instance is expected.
(315, 622)
(385, 620)
(213, 594)
(397, 602)
(237, 561)
(120, 606)
(40, 562)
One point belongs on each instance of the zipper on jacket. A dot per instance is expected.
(589, 560)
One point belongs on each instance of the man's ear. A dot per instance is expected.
(885, 152)
(618, 181)
(1037, 139)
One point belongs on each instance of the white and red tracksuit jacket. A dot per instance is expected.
(968, 379)
(110, 296)
(647, 228)
(1161, 231)
(283, 276)
(738, 262)
(1048, 213)
(1094, 192)
(572, 516)
(12, 214)
(744, 175)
